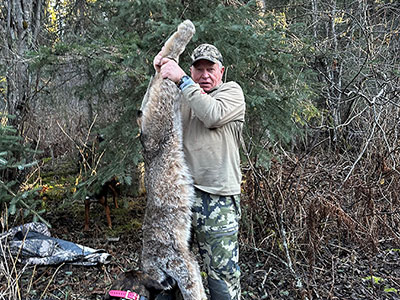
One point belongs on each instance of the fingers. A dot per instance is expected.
(157, 62)
(168, 68)
(171, 70)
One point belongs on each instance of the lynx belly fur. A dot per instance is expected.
(169, 186)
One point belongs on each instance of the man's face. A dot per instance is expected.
(207, 74)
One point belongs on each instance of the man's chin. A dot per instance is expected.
(206, 87)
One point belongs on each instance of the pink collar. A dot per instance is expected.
(126, 295)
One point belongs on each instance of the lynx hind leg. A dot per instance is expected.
(186, 272)
(200, 292)
(176, 44)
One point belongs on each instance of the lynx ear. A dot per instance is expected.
(150, 283)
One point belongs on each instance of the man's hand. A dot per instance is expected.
(171, 70)
(168, 68)
(157, 62)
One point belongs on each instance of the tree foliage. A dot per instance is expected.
(321, 67)
(113, 53)
(15, 159)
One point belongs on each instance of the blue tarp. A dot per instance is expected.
(33, 245)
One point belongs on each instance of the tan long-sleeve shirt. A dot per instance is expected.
(212, 126)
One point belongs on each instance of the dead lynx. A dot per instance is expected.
(166, 226)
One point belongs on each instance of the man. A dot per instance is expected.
(212, 118)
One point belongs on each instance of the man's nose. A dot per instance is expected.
(205, 74)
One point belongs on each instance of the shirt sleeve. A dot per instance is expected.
(221, 106)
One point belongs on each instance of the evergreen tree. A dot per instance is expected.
(15, 159)
(116, 49)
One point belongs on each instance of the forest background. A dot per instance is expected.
(320, 148)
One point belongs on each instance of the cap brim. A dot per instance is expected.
(206, 58)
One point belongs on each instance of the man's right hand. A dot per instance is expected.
(167, 67)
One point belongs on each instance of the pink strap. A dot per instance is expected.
(124, 294)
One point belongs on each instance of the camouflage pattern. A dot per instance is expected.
(208, 52)
(216, 225)
(34, 246)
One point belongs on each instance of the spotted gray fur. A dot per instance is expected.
(169, 186)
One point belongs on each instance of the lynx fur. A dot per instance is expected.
(169, 186)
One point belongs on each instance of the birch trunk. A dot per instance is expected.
(20, 29)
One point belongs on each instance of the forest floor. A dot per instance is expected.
(341, 272)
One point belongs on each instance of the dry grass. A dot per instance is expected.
(302, 208)
(10, 274)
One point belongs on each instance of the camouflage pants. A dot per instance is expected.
(216, 224)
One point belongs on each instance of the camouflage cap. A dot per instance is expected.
(208, 52)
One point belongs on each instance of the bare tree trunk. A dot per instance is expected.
(314, 7)
(20, 28)
(334, 75)
(357, 62)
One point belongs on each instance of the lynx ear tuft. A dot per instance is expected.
(139, 118)
(152, 284)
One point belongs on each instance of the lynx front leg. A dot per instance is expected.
(153, 270)
(185, 270)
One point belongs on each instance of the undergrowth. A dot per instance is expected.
(306, 233)
(302, 213)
